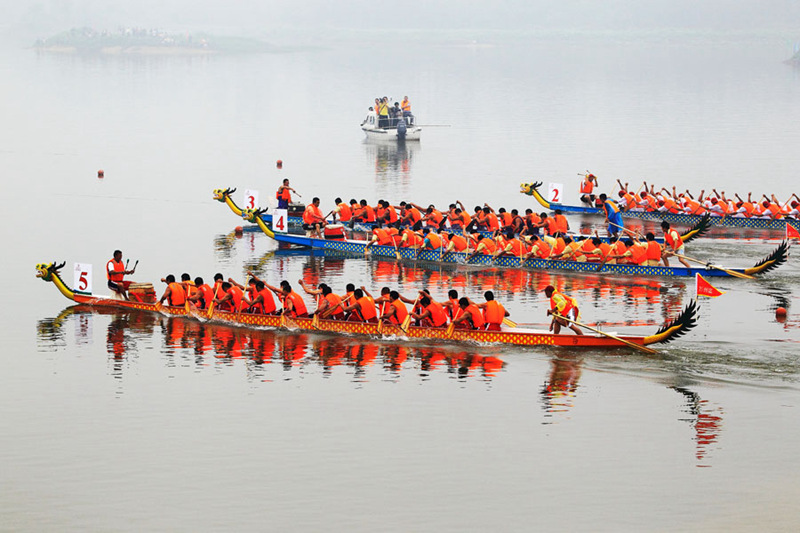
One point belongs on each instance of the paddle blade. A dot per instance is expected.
(450, 329)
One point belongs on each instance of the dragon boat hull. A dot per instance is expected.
(438, 256)
(516, 336)
(531, 189)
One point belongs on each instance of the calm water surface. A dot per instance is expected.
(124, 421)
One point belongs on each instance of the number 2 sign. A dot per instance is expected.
(280, 220)
(556, 193)
(83, 278)
(250, 199)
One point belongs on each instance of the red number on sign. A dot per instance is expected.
(251, 202)
(280, 224)
(555, 196)
(83, 282)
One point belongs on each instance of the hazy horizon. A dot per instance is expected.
(41, 19)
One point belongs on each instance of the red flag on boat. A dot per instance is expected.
(704, 288)
(791, 231)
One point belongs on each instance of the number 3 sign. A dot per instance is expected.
(280, 220)
(250, 199)
(83, 278)
(556, 193)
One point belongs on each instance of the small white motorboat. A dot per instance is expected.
(391, 129)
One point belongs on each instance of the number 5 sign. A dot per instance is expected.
(83, 278)
(250, 199)
(556, 193)
(280, 219)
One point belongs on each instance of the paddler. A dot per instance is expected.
(613, 215)
(362, 309)
(539, 248)
(432, 313)
(396, 312)
(188, 285)
(233, 297)
(588, 183)
(493, 312)
(115, 271)
(509, 245)
(293, 304)
(203, 295)
(564, 306)
(261, 300)
(174, 292)
(455, 243)
(313, 221)
(673, 245)
(484, 246)
(468, 315)
(342, 211)
(284, 195)
(431, 240)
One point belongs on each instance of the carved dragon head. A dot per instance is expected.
(46, 270)
(528, 188)
(252, 215)
(221, 194)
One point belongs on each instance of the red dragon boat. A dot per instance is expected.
(685, 321)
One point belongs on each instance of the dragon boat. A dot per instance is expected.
(359, 247)
(295, 222)
(532, 189)
(685, 321)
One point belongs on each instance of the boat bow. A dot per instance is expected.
(49, 272)
(677, 327)
(224, 196)
(772, 261)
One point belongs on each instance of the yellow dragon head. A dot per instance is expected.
(220, 194)
(46, 270)
(528, 188)
(252, 215)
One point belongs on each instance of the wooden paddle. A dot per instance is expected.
(450, 329)
(639, 347)
(407, 319)
(508, 322)
(709, 265)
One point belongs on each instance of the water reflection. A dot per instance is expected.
(181, 341)
(392, 159)
(706, 419)
(559, 390)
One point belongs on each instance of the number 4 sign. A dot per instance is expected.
(280, 220)
(83, 278)
(250, 199)
(556, 193)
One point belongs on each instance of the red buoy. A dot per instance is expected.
(780, 312)
(279, 163)
(100, 173)
(238, 230)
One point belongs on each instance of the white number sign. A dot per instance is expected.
(556, 193)
(280, 220)
(250, 199)
(83, 278)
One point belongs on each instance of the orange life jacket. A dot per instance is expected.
(333, 301)
(400, 312)
(207, 294)
(384, 239)
(312, 214)
(561, 223)
(434, 240)
(494, 313)
(492, 222)
(543, 250)
(297, 303)
(653, 251)
(638, 254)
(115, 270)
(345, 213)
(267, 306)
(459, 243)
(438, 316)
(587, 186)
(284, 194)
(177, 296)
(366, 307)
(673, 239)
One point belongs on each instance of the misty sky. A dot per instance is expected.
(47, 16)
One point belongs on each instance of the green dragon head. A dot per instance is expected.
(46, 270)
(221, 194)
(251, 215)
(528, 188)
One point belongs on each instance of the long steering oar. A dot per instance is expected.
(709, 265)
(639, 347)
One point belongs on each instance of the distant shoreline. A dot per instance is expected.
(128, 50)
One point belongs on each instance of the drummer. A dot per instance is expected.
(115, 271)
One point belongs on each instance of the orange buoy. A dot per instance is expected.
(780, 312)
(100, 173)
(238, 231)
(279, 164)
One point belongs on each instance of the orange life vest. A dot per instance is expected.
(115, 270)
(284, 194)
(492, 222)
(459, 243)
(177, 296)
(312, 214)
(438, 316)
(561, 223)
(494, 313)
(333, 301)
(587, 186)
(345, 213)
(653, 251)
(366, 307)
(400, 312)
(673, 239)
(268, 304)
(297, 303)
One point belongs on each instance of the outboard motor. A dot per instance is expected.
(401, 130)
